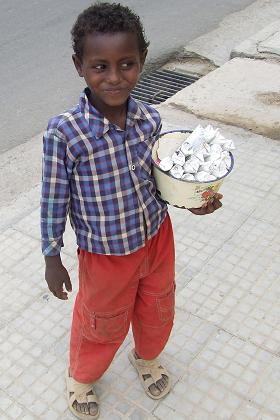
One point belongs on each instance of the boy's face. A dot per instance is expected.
(111, 66)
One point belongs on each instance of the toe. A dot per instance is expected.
(93, 408)
(86, 408)
(81, 407)
(154, 390)
(160, 385)
(165, 381)
(78, 407)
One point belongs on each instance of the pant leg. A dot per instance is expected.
(102, 312)
(153, 315)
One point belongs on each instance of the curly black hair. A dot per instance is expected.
(106, 18)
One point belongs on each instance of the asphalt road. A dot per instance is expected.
(36, 71)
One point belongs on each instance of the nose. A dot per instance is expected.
(113, 76)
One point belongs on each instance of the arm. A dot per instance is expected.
(54, 209)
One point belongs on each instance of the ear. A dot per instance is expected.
(78, 64)
(143, 58)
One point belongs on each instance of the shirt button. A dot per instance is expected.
(132, 167)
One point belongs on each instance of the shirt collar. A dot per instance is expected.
(101, 124)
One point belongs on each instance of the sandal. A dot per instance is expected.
(77, 391)
(152, 368)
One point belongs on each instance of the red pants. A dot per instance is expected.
(117, 290)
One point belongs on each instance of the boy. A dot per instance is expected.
(97, 167)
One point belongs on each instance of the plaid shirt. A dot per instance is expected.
(101, 176)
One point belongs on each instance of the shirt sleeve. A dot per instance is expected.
(158, 123)
(55, 192)
(158, 131)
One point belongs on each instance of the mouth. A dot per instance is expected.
(113, 91)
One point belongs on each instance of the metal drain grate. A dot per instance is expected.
(159, 85)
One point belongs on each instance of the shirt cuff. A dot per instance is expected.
(52, 248)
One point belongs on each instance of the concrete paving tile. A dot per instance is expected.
(220, 380)
(262, 151)
(266, 392)
(68, 416)
(276, 189)
(10, 409)
(50, 414)
(15, 411)
(242, 198)
(233, 363)
(196, 396)
(189, 336)
(15, 295)
(14, 246)
(250, 411)
(28, 417)
(269, 209)
(242, 298)
(123, 407)
(183, 277)
(5, 416)
(30, 224)
(259, 176)
(17, 355)
(5, 402)
(42, 322)
(164, 412)
(138, 414)
(106, 412)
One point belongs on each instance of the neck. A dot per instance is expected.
(116, 115)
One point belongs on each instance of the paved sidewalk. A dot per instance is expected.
(224, 350)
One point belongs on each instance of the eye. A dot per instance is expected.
(127, 65)
(99, 67)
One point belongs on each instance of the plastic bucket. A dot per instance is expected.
(179, 193)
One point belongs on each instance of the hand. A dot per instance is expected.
(210, 206)
(56, 276)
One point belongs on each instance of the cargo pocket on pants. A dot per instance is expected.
(105, 327)
(166, 305)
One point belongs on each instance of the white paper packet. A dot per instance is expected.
(188, 177)
(177, 171)
(203, 156)
(166, 164)
(178, 158)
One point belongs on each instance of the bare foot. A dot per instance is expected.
(90, 408)
(159, 386)
(86, 408)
